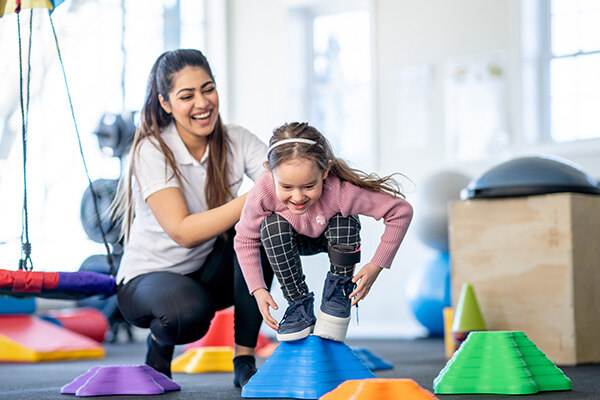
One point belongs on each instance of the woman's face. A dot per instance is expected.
(193, 103)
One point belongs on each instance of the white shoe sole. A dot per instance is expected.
(286, 337)
(330, 327)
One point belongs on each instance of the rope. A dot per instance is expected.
(25, 263)
(94, 195)
(124, 54)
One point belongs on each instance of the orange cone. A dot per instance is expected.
(380, 389)
(266, 350)
(221, 333)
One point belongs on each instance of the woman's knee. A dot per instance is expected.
(183, 319)
(176, 308)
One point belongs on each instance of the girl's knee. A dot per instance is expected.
(274, 225)
(343, 231)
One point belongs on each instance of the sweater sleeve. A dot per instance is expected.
(247, 238)
(396, 214)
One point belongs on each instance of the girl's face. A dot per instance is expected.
(193, 102)
(298, 184)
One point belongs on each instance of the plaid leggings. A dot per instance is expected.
(284, 246)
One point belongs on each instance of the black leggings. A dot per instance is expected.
(178, 308)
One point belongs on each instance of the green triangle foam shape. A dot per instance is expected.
(467, 316)
(546, 375)
(499, 362)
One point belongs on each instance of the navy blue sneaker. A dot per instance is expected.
(334, 314)
(298, 320)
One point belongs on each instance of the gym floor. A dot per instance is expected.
(419, 359)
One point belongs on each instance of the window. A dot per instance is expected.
(337, 79)
(107, 64)
(573, 62)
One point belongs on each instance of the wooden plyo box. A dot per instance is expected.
(534, 263)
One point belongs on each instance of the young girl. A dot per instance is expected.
(305, 204)
(179, 198)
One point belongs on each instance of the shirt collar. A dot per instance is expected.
(180, 152)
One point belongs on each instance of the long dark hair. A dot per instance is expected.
(154, 119)
(323, 156)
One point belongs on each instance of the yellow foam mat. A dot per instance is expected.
(25, 338)
(204, 359)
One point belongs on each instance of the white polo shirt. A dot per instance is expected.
(149, 248)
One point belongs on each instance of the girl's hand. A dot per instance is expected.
(365, 278)
(264, 300)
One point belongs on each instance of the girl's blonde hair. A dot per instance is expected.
(154, 119)
(323, 156)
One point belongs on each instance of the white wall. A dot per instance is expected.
(428, 32)
(255, 62)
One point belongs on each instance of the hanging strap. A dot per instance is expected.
(25, 263)
(94, 195)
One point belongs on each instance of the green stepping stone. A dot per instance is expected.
(499, 362)
(546, 375)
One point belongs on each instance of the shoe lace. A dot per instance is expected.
(291, 310)
(347, 287)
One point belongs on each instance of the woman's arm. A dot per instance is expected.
(190, 230)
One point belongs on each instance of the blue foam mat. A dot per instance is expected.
(306, 369)
(13, 305)
(372, 360)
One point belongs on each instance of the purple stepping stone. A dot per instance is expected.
(164, 381)
(120, 380)
(71, 388)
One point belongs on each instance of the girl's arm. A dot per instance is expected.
(364, 279)
(264, 301)
(186, 229)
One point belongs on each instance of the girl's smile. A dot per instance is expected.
(298, 184)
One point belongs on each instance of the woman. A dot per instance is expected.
(186, 166)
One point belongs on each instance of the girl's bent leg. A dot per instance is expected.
(343, 238)
(280, 242)
(343, 243)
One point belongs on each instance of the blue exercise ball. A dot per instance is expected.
(428, 292)
(431, 215)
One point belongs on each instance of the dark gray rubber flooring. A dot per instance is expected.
(419, 359)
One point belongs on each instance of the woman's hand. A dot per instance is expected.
(365, 278)
(264, 301)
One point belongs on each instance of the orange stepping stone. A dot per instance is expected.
(380, 389)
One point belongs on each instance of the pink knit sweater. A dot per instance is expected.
(338, 197)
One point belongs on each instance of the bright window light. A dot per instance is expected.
(574, 95)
